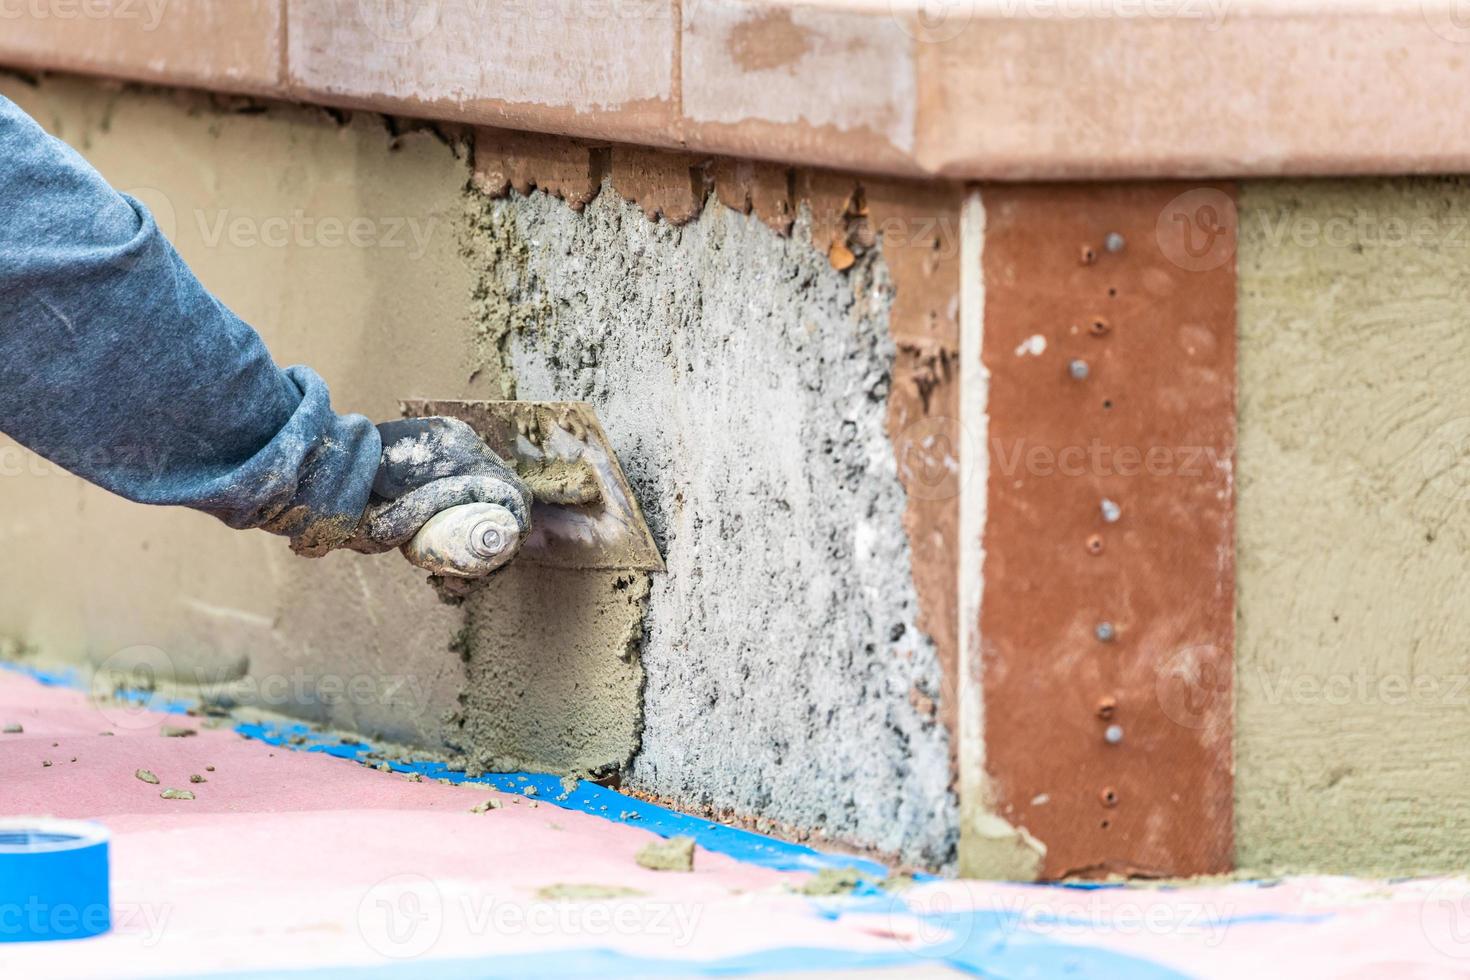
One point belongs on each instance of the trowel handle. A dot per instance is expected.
(468, 541)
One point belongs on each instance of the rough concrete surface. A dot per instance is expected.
(1353, 660)
(744, 382)
(742, 379)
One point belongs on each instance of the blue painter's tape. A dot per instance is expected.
(69, 678)
(64, 677)
(53, 880)
(742, 845)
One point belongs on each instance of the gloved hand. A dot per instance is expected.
(429, 465)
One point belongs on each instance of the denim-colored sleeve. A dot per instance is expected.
(117, 364)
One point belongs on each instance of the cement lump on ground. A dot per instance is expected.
(845, 881)
(585, 892)
(674, 854)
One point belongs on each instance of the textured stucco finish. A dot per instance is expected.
(744, 383)
(1354, 527)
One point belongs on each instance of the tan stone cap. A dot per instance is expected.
(1002, 89)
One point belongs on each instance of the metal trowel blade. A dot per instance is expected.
(585, 514)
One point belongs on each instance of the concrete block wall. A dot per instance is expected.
(820, 384)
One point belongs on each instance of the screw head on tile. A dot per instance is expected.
(1077, 368)
(1108, 796)
(1114, 242)
(1094, 544)
(1113, 735)
(1110, 510)
(1104, 632)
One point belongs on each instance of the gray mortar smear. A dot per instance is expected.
(743, 382)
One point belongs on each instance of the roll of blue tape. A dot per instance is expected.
(53, 880)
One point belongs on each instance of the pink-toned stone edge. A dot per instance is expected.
(1208, 90)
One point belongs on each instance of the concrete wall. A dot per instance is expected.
(1353, 655)
(779, 673)
(760, 369)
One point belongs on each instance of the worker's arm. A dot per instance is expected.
(118, 365)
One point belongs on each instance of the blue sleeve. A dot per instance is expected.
(118, 365)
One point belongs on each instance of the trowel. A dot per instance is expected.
(584, 514)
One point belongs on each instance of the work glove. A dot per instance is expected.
(430, 465)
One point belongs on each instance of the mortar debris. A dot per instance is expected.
(147, 776)
(487, 806)
(45, 763)
(674, 854)
(209, 768)
(845, 881)
(176, 794)
(415, 777)
(13, 730)
(585, 893)
(196, 778)
(176, 731)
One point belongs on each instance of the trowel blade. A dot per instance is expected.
(585, 514)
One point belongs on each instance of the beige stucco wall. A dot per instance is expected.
(1353, 656)
(88, 574)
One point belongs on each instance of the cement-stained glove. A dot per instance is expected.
(428, 466)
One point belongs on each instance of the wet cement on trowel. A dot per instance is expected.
(743, 382)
